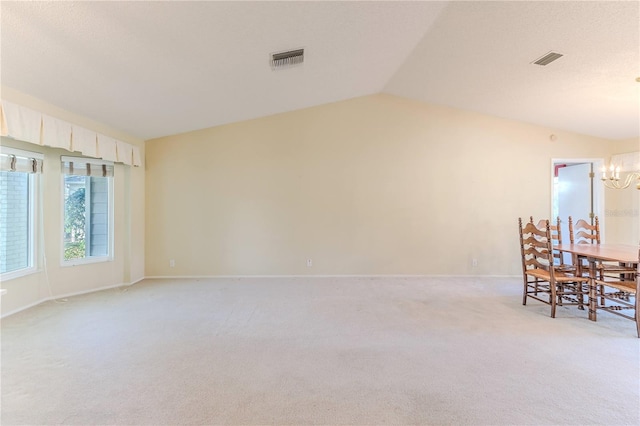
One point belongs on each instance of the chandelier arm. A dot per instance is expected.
(613, 182)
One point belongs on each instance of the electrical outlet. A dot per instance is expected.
(474, 262)
(172, 263)
(309, 262)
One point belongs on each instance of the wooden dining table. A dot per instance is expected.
(593, 253)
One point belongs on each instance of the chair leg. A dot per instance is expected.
(559, 294)
(580, 290)
(637, 314)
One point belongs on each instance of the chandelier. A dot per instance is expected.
(613, 181)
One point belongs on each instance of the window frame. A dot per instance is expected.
(110, 221)
(34, 212)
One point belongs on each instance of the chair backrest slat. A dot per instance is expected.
(582, 232)
(556, 237)
(536, 246)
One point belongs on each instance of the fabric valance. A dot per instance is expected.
(24, 124)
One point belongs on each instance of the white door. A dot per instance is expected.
(574, 196)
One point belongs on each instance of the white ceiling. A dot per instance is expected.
(159, 68)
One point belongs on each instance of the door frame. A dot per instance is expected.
(598, 188)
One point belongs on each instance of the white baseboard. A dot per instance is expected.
(24, 308)
(66, 295)
(137, 281)
(93, 290)
(187, 277)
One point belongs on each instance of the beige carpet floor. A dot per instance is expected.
(330, 351)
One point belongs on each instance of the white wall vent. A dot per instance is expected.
(286, 59)
(548, 58)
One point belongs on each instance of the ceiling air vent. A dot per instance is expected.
(287, 59)
(548, 58)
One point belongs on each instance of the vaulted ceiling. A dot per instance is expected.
(159, 68)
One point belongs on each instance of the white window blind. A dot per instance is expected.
(14, 160)
(80, 166)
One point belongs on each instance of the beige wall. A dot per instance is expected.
(623, 214)
(374, 185)
(53, 279)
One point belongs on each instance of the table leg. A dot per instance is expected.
(592, 289)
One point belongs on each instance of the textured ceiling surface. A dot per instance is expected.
(159, 68)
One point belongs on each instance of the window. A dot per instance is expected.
(88, 210)
(19, 178)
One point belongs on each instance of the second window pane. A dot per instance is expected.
(86, 217)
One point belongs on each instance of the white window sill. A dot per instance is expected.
(86, 261)
(17, 274)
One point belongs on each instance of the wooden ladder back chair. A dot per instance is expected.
(585, 233)
(556, 238)
(620, 295)
(541, 281)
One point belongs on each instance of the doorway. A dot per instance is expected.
(577, 192)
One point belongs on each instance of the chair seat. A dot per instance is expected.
(559, 276)
(622, 285)
(611, 267)
(565, 269)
